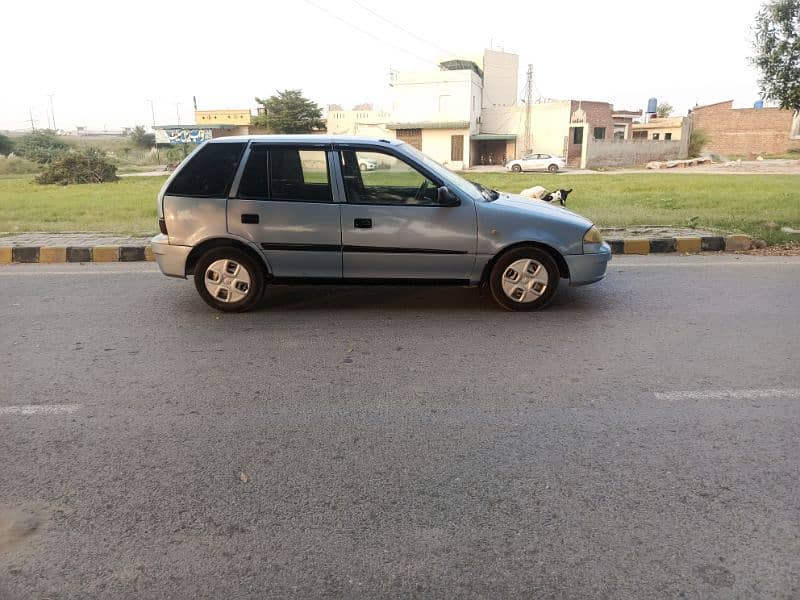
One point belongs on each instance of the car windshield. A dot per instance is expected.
(450, 178)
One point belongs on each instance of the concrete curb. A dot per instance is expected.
(74, 254)
(80, 254)
(681, 245)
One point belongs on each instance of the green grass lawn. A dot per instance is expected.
(729, 203)
(127, 206)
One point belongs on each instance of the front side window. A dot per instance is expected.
(209, 173)
(290, 174)
(378, 178)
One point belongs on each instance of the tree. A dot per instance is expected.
(664, 109)
(89, 165)
(41, 146)
(142, 139)
(776, 42)
(6, 145)
(289, 112)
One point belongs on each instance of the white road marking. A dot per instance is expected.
(729, 394)
(39, 409)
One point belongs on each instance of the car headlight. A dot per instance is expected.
(592, 236)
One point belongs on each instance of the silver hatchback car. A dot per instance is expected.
(243, 212)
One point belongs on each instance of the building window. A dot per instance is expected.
(456, 147)
(667, 136)
(640, 135)
(412, 137)
(656, 136)
(577, 135)
(599, 133)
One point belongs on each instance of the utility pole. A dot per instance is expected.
(528, 102)
(153, 114)
(178, 111)
(52, 110)
(33, 123)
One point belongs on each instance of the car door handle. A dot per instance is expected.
(249, 218)
(362, 223)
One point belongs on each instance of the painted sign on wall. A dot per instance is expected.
(182, 135)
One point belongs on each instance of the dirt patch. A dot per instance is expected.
(654, 231)
(787, 249)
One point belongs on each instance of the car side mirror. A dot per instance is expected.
(445, 198)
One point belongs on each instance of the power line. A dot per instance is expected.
(401, 28)
(373, 36)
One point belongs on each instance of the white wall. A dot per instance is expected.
(436, 144)
(500, 78)
(436, 96)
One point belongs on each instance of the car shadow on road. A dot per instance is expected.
(410, 298)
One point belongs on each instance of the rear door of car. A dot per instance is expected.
(393, 226)
(283, 200)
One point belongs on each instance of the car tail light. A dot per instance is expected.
(162, 226)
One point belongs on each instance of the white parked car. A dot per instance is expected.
(367, 164)
(537, 162)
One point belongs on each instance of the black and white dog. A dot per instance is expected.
(540, 193)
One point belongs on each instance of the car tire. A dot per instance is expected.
(516, 168)
(553, 168)
(523, 279)
(362, 166)
(229, 279)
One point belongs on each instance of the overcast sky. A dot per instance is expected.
(104, 60)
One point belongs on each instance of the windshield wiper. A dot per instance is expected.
(486, 192)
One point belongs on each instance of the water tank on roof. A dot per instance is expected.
(758, 104)
(652, 105)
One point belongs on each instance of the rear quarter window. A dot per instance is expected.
(209, 173)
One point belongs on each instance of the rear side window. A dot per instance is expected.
(287, 174)
(209, 173)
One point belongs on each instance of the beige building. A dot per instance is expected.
(235, 116)
(369, 123)
(658, 128)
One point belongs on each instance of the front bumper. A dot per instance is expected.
(171, 259)
(588, 268)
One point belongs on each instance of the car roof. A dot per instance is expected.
(307, 139)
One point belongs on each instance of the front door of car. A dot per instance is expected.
(283, 202)
(393, 225)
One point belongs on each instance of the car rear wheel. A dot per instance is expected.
(229, 280)
(516, 168)
(553, 168)
(524, 279)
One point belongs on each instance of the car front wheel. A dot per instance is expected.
(553, 168)
(516, 168)
(229, 280)
(524, 279)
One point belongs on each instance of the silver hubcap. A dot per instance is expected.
(525, 280)
(227, 281)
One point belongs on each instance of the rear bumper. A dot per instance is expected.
(588, 268)
(171, 259)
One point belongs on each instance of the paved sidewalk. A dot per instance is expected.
(73, 240)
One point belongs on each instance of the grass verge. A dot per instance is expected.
(756, 205)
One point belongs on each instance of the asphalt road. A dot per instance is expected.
(638, 439)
